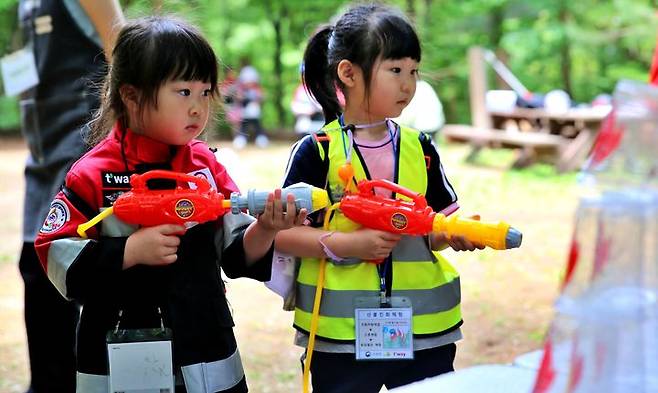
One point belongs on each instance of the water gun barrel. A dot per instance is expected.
(306, 196)
(497, 235)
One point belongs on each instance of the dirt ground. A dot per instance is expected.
(507, 296)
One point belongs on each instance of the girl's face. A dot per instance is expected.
(181, 114)
(392, 86)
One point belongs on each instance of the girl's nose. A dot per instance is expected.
(194, 110)
(408, 84)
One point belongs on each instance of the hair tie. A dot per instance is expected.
(331, 40)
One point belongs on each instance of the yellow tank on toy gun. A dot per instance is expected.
(498, 235)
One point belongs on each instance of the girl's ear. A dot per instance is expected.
(347, 72)
(130, 98)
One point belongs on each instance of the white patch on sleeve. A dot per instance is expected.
(205, 174)
(57, 217)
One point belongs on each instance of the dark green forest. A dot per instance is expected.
(583, 47)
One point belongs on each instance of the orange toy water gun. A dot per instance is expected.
(195, 204)
(415, 217)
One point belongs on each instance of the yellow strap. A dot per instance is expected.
(315, 316)
(83, 228)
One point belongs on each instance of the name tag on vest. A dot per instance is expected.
(384, 333)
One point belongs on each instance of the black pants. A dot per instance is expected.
(50, 323)
(251, 127)
(342, 373)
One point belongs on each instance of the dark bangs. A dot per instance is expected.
(396, 40)
(169, 50)
(388, 36)
(193, 60)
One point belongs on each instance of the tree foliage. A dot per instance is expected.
(583, 47)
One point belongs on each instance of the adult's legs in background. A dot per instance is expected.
(260, 139)
(50, 324)
(249, 127)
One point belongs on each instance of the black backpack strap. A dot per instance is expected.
(426, 144)
(322, 139)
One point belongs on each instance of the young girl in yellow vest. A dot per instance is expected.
(393, 322)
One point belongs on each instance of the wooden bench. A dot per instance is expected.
(564, 139)
(533, 146)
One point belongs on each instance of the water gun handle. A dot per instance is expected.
(366, 187)
(497, 235)
(139, 183)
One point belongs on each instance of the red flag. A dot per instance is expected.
(607, 140)
(546, 374)
(653, 74)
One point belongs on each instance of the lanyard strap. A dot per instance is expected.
(349, 144)
(116, 327)
(383, 268)
(384, 291)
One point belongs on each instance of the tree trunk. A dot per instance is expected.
(565, 49)
(278, 67)
(496, 19)
(225, 36)
(411, 10)
(427, 20)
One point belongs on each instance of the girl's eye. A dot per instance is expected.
(207, 92)
(414, 72)
(396, 70)
(184, 92)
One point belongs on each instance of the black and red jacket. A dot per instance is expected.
(190, 292)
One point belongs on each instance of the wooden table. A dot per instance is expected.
(564, 139)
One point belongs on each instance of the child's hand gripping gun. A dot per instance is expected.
(197, 204)
(414, 217)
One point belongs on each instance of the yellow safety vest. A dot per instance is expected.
(420, 274)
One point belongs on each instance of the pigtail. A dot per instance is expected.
(111, 109)
(318, 77)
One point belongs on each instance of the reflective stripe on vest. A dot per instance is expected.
(424, 276)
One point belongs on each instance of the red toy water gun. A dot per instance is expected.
(415, 217)
(195, 204)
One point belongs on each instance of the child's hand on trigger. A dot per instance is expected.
(153, 246)
(274, 218)
(371, 244)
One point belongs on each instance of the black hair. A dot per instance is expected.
(148, 53)
(362, 35)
